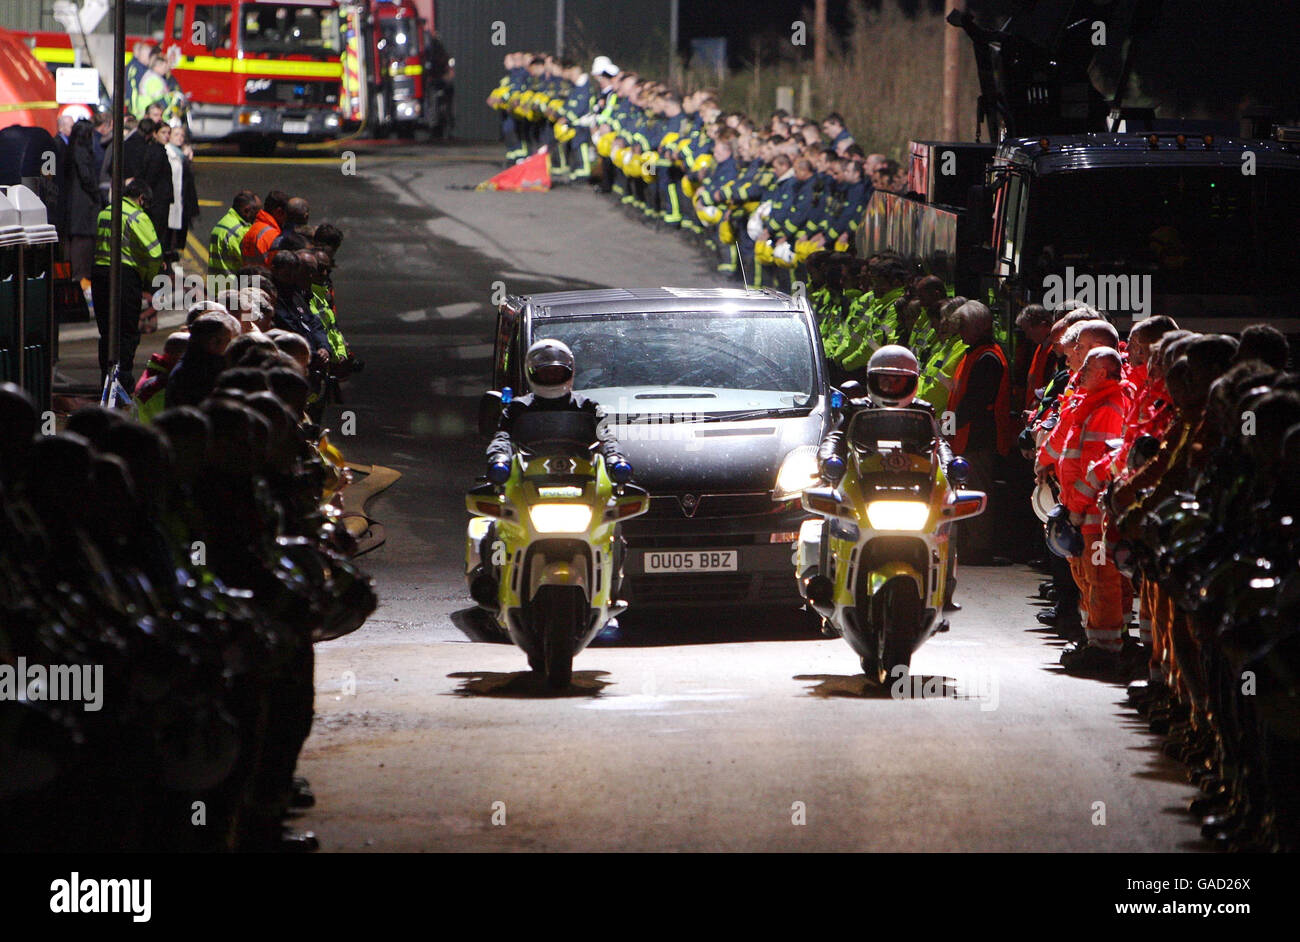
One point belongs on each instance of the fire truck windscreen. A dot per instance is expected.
(289, 28)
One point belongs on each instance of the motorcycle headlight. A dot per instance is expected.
(560, 518)
(798, 471)
(897, 514)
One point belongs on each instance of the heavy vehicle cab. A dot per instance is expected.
(397, 77)
(258, 71)
(719, 398)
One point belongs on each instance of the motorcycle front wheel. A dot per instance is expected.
(559, 613)
(901, 618)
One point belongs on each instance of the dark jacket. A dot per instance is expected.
(836, 444)
(133, 147)
(78, 186)
(501, 447)
(194, 377)
(156, 171)
(293, 312)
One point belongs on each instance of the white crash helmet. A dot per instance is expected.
(548, 366)
(892, 376)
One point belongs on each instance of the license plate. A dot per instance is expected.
(691, 560)
(296, 127)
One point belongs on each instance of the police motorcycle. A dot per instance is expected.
(878, 564)
(543, 555)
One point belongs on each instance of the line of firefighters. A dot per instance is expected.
(762, 197)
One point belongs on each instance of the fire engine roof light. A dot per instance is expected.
(1153, 140)
(1181, 140)
(1208, 140)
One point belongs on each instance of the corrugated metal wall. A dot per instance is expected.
(632, 31)
(27, 14)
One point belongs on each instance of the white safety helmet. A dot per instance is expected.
(892, 376)
(548, 366)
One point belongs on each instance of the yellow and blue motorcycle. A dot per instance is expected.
(542, 552)
(876, 566)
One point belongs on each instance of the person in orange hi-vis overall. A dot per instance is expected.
(1098, 418)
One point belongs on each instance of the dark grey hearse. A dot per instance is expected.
(719, 398)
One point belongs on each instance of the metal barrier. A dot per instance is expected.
(28, 334)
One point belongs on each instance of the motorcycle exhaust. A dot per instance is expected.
(820, 593)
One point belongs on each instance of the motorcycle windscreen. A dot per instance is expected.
(562, 433)
(874, 429)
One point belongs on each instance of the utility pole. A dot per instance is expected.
(951, 71)
(115, 194)
(559, 29)
(819, 39)
(672, 43)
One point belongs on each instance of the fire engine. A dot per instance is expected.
(254, 71)
(385, 85)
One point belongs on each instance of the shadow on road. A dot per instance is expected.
(917, 687)
(525, 685)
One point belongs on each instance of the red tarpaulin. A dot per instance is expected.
(534, 173)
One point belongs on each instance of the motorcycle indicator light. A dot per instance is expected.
(560, 518)
(629, 508)
(488, 508)
(897, 514)
(821, 504)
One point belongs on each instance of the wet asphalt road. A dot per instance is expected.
(694, 732)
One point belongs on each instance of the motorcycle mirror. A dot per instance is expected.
(489, 412)
(851, 389)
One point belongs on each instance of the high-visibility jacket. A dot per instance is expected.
(150, 90)
(140, 247)
(256, 242)
(225, 254)
(321, 303)
(882, 321)
(1037, 378)
(1000, 407)
(938, 370)
(1098, 418)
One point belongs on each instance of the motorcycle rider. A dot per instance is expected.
(549, 369)
(892, 378)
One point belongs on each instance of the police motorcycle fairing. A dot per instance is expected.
(541, 546)
(877, 565)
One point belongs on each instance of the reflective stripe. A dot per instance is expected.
(1096, 436)
(1083, 489)
(1072, 453)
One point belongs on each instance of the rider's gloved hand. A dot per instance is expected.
(498, 472)
(620, 470)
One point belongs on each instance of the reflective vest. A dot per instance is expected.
(1037, 378)
(255, 246)
(151, 90)
(141, 250)
(225, 255)
(322, 305)
(1001, 406)
(938, 370)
